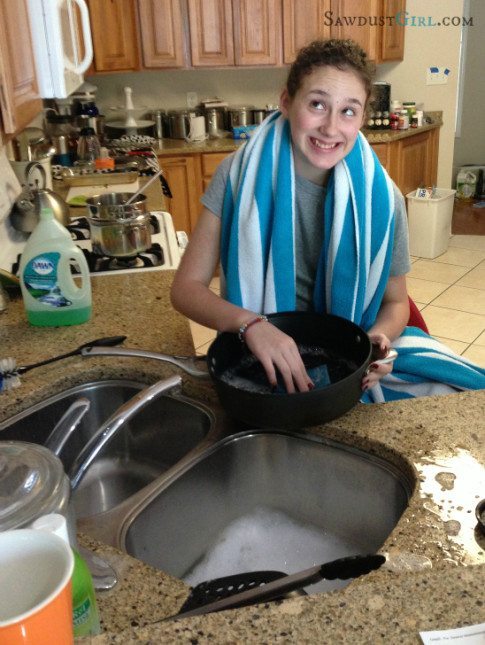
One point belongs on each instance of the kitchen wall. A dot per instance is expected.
(470, 144)
(425, 46)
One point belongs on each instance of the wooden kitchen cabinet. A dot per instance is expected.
(235, 32)
(182, 173)
(114, 34)
(414, 161)
(340, 19)
(188, 176)
(211, 32)
(361, 20)
(301, 27)
(163, 38)
(19, 96)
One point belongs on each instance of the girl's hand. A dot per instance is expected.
(278, 351)
(380, 348)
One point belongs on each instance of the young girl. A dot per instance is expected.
(304, 217)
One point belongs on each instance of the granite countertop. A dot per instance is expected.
(436, 571)
(168, 147)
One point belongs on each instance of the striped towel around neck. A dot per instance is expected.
(258, 253)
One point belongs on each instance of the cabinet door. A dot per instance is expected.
(392, 42)
(183, 176)
(301, 27)
(211, 35)
(114, 33)
(416, 163)
(19, 96)
(257, 32)
(162, 33)
(350, 19)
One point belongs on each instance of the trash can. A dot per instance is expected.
(429, 221)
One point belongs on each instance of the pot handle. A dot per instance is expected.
(33, 165)
(190, 364)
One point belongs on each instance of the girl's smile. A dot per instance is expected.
(325, 116)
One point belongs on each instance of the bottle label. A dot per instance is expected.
(81, 613)
(40, 277)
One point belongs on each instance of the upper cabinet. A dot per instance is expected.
(114, 33)
(301, 27)
(372, 24)
(157, 34)
(162, 33)
(19, 97)
(235, 32)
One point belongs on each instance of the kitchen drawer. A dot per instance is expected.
(210, 161)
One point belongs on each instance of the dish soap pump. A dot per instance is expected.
(84, 608)
(51, 296)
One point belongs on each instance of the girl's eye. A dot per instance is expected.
(349, 111)
(317, 105)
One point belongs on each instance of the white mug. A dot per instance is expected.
(35, 588)
(197, 129)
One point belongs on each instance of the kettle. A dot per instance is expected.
(26, 210)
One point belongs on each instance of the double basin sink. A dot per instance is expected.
(176, 490)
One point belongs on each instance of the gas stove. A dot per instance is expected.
(163, 254)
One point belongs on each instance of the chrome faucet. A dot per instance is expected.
(66, 425)
(109, 429)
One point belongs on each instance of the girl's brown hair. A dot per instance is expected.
(342, 54)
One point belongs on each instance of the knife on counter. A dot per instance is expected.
(342, 569)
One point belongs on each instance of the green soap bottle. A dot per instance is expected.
(51, 295)
(84, 608)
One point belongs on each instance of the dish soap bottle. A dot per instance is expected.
(84, 608)
(51, 296)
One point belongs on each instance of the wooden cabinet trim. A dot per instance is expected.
(162, 33)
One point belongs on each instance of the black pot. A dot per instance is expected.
(346, 349)
(344, 341)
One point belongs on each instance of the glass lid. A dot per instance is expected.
(32, 483)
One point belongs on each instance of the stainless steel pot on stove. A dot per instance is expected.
(118, 229)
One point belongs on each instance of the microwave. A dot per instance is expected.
(62, 44)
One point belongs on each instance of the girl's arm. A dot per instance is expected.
(190, 294)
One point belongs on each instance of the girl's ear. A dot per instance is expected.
(284, 102)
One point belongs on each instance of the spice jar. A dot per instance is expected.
(403, 123)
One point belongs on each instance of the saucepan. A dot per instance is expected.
(336, 352)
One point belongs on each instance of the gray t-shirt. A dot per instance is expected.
(309, 199)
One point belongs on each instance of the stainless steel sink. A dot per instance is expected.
(145, 447)
(267, 500)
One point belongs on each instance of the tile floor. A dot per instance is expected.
(449, 291)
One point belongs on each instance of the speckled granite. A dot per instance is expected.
(181, 147)
(435, 575)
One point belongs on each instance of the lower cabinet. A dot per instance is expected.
(410, 162)
(182, 173)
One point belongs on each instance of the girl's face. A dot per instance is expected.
(325, 116)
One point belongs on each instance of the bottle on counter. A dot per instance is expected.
(84, 608)
(88, 146)
(51, 296)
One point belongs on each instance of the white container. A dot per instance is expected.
(429, 223)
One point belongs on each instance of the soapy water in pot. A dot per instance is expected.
(323, 367)
(269, 539)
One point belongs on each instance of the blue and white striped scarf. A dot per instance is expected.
(258, 254)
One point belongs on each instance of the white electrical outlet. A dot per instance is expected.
(192, 99)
